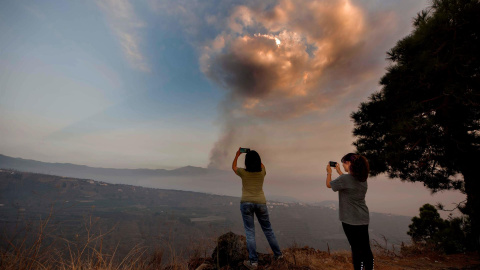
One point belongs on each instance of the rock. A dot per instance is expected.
(231, 250)
(205, 266)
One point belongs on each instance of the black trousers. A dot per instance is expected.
(359, 240)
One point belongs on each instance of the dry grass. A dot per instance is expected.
(409, 257)
(309, 258)
(38, 248)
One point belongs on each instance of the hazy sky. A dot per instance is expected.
(164, 84)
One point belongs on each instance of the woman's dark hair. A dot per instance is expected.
(359, 167)
(253, 163)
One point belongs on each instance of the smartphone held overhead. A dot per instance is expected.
(244, 150)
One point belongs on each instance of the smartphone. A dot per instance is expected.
(244, 150)
(333, 164)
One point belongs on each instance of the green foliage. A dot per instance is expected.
(425, 120)
(451, 235)
(426, 227)
(424, 124)
(455, 237)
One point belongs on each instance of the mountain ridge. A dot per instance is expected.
(5, 158)
(111, 175)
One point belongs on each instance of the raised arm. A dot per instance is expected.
(329, 174)
(337, 167)
(234, 164)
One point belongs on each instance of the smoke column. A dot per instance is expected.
(281, 62)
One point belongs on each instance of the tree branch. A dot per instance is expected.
(441, 207)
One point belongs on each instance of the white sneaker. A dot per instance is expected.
(250, 265)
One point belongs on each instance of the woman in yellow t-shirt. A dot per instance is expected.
(254, 203)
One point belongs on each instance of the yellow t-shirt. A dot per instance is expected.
(252, 186)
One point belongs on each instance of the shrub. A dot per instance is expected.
(451, 235)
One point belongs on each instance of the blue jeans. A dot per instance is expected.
(260, 210)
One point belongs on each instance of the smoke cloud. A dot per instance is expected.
(282, 62)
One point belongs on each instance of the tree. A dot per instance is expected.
(424, 124)
(426, 227)
(451, 235)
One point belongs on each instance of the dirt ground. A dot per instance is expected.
(450, 262)
(310, 259)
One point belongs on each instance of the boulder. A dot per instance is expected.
(231, 250)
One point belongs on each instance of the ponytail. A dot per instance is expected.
(359, 167)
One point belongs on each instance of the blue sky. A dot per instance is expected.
(165, 84)
(65, 64)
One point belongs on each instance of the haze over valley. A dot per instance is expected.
(157, 217)
(384, 195)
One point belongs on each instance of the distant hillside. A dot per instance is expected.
(187, 178)
(82, 171)
(151, 216)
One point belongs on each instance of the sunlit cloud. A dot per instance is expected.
(299, 41)
(125, 24)
(278, 63)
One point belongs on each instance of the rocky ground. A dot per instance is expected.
(231, 251)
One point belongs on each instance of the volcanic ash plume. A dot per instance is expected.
(281, 62)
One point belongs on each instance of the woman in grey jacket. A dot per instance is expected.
(353, 211)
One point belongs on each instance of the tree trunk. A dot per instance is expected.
(472, 209)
